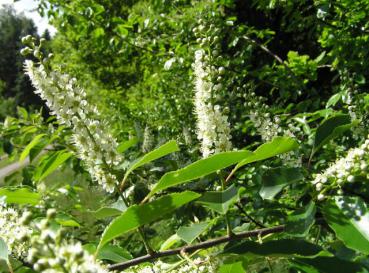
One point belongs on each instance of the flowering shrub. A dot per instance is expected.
(191, 136)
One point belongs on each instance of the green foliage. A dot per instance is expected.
(291, 78)
(348, 217)
(139, 215)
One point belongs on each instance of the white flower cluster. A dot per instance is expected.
(11, 230)
(268, 126)
(344, 170)
(213, 128)
(148, 140)
(50, 254)
(95, 145)
(198, 265)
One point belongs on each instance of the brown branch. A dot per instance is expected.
(192, 248)
(277, 58)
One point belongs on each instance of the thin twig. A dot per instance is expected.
(248, 216)
(192, 248)
(277, 58)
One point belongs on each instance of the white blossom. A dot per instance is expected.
(11, 230)
(213, 128)
(269, 126)
(51, 254)
(95, 145)
(345, 169)
(148, 140)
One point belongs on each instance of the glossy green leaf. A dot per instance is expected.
(220, 201)
(330, 129)
(106, 212)
(328, 265)
(274, 180)
(277, 248)
(199, 169)
(300, 221)
(138, 215)
(278, 145)
(20, 196)
(4, 255)
(36, 140)
(170, 242)
(349, 218)
(124, 146)
(333, 100)
(66, 221)
(112, 253)
(50, 164)
(190, 233)
(232, 268)
(167, 148)
(114, 209)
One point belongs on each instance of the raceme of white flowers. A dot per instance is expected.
(50, 253)
(11, 230)
(213, 129)
(344, 170)
(269, 127)
(95, 145)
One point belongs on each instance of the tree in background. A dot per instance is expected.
(15, 87)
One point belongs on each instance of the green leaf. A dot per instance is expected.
(199, 169)
(330, 129)
(122, 30)
(220, 201)
(171, 241)
(328, 265)
(274, 180)
(124, 146)
(167, 148)
(98, 32)
(300, 221)
(106, 212)
(66, 221)
(50, 164)
(114, 209)
(333, 100)
(190, 233)
(112, 253)
(349, 218)
(278, 145)
(138, 215)
(20, 196)
(277, 248)
(4, 255)
(37, 139)
(232, 268)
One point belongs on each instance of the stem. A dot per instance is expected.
(238, 205)
(148, 248)
(228, 222)
(269, 265)
(9, 266)
(277, 58)
(192, 248)
(318, 235)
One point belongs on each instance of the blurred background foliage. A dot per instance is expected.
(135, 57)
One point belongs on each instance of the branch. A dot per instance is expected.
(192, 248)
(258, 224)
(277, 58)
